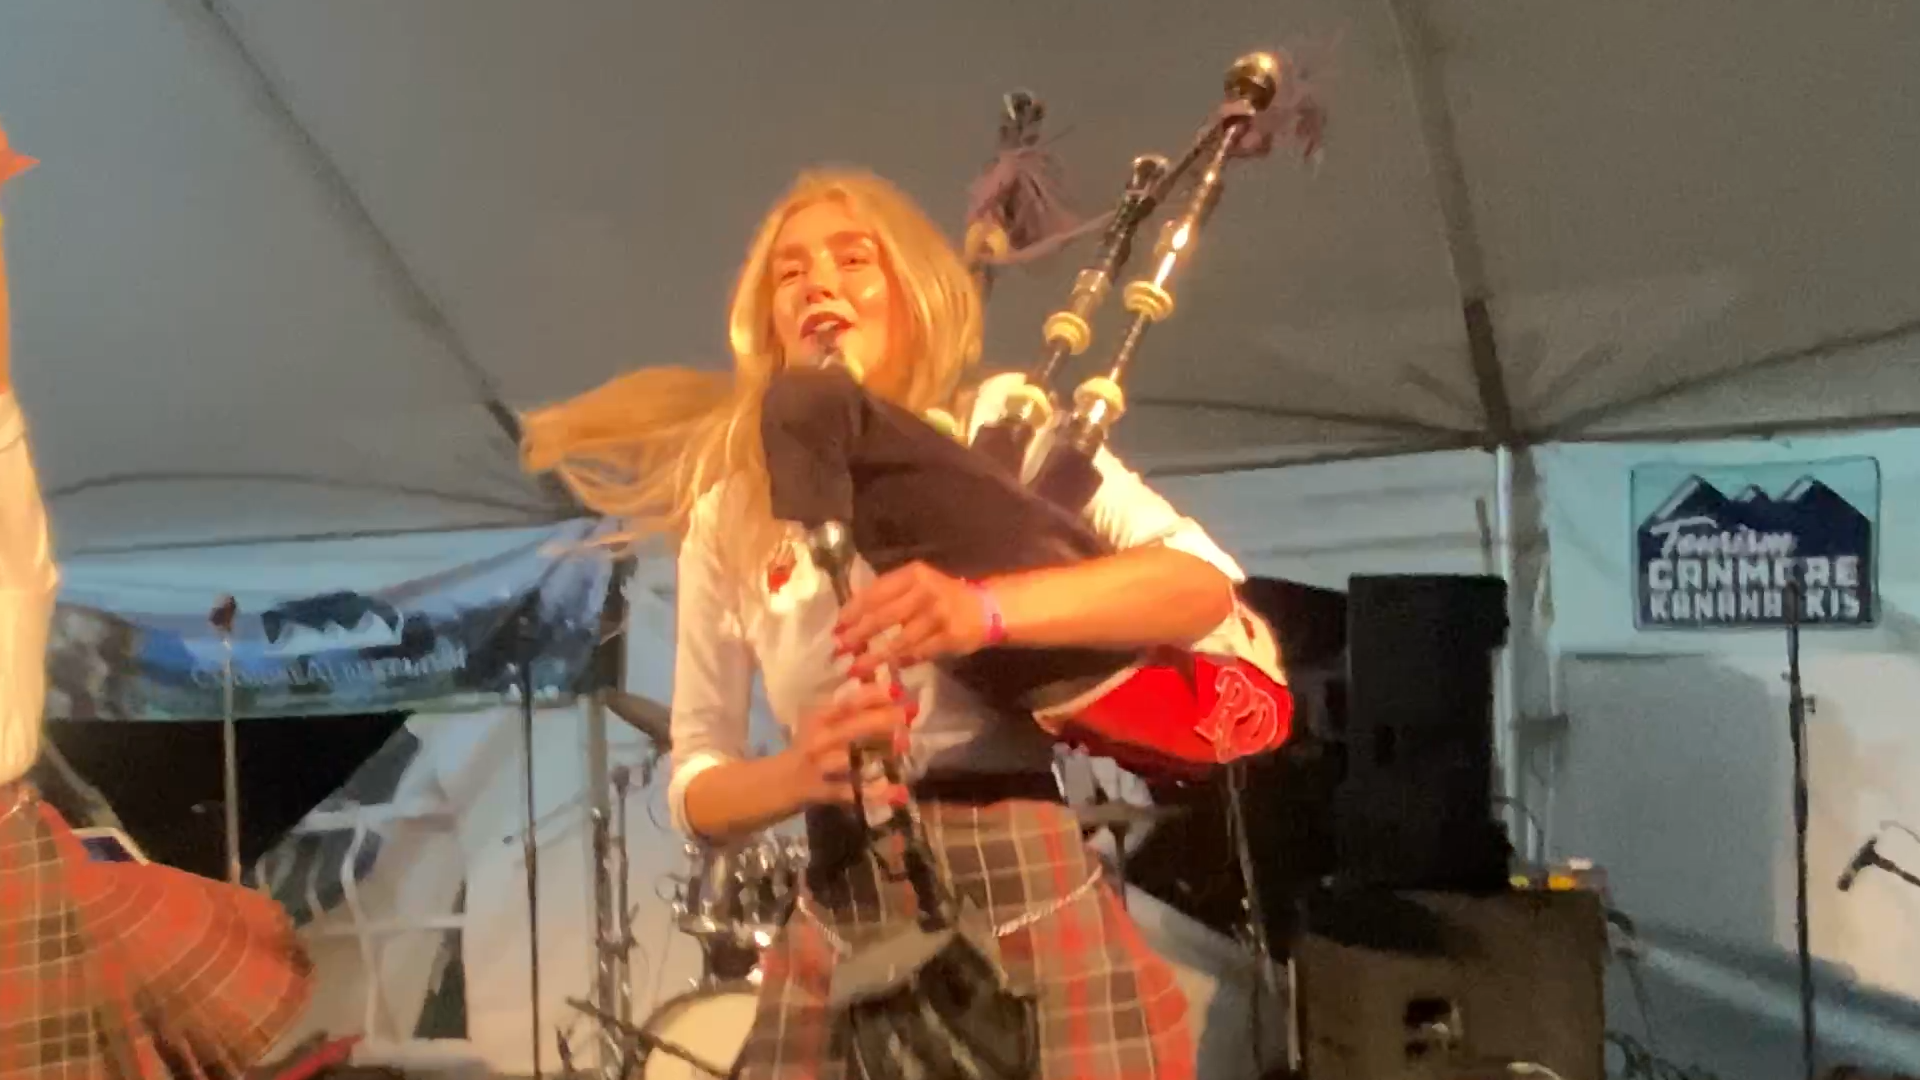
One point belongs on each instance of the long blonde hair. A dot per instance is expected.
(646, 446)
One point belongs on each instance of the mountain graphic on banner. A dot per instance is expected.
(333, 621)
(1816, 515)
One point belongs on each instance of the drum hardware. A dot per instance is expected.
(1107, 813)
(614, 909)
(679, 1060)
(733, 902)
(1119, 818)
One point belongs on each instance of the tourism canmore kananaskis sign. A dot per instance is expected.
(1724, 547)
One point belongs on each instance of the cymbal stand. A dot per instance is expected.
(613, 922)
(1119, 833)
(623, 942)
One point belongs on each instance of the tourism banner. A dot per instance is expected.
(452, 641)
(1733, 546)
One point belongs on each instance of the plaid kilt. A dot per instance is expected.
(118, 970)
(1109, 1006)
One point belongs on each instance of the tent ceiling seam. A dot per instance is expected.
(1283, 412)
(1420, 57)
(105, 551)
(431, 314)
(1821, 350)
(78, 487)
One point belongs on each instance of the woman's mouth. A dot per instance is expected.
(823, 322)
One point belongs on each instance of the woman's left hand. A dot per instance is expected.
(934, 616)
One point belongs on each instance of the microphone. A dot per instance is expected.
(1868, 855)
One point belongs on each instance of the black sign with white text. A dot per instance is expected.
(1719, 547)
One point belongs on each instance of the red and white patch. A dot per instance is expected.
(780, 567)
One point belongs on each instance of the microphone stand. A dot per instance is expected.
(222, 618)
(1797, 733)
(1896, 870)
(529, 845)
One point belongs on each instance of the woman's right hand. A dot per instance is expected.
(872, 716)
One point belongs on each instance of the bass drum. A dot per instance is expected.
(708, 1025)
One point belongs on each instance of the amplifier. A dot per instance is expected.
(1426, 986)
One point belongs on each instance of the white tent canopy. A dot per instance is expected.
(280, 255)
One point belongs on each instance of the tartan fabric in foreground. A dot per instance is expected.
(125, 971)
(1109, 1006)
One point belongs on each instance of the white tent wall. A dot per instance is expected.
(1676, 770)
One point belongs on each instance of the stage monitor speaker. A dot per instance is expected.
(1415, 809)
(1425, 986)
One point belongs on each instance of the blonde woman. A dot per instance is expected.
(678, 452)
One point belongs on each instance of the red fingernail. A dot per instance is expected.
(897, 691)
(898, 796)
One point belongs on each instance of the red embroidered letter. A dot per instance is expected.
(1244, 719)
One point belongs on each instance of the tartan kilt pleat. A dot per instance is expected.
(118, 970)
(1109, 1006)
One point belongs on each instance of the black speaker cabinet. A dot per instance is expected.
(1415, 810)
(1425, 986)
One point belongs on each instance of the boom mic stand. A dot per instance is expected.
(1869, 858)
(1797, 733)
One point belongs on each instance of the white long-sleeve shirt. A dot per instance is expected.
(727, 629)
(28, 583)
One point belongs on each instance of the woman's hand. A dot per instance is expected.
(872, 717)
(933, 616)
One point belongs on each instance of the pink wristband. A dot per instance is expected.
(990, 610)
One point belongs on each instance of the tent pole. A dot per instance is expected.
(1506, 699)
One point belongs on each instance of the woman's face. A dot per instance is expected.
(830, 284)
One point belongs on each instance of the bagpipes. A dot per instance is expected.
(907, 490)
(871, 480)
